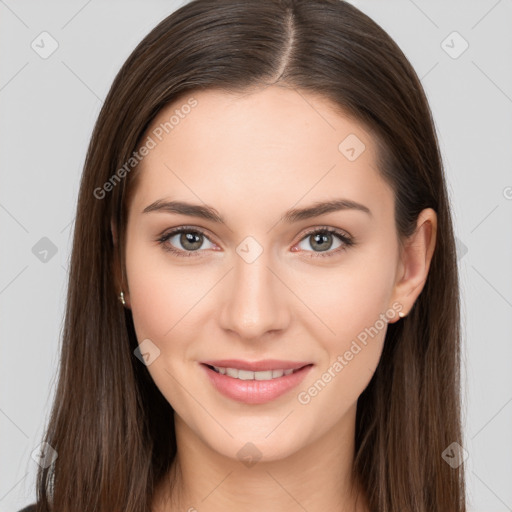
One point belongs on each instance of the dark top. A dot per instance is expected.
(30, 508)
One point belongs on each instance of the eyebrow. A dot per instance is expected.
(294, 215)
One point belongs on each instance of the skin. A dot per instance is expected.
(253, 156)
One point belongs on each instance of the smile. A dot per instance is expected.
(255, 383)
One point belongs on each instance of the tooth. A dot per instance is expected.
(245, 375)
(232, 372)
(263, 375)
(249, 375)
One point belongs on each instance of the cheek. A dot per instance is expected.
(352, 353)
(352, 297)
(160, 294)
(152, 299)
(160, 298)
(355, 306)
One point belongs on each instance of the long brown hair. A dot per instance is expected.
(110, 425)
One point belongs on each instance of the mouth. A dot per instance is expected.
(255, 383)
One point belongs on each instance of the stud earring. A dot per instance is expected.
(401, 314)
(121, 298)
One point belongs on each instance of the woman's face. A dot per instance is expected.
(272, 281)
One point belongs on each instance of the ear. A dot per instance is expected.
(415, 258)
(118, 279)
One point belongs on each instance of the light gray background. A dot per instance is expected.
(48, 109)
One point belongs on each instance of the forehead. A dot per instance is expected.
(273, 145)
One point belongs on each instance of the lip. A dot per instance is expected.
(256, 391)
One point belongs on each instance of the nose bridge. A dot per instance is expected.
(254, 302)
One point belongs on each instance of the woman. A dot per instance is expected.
(263, 299)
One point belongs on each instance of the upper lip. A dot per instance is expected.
(257, 366)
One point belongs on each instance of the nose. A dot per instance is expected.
(255, 302)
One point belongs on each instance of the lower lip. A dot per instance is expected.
(255, 391)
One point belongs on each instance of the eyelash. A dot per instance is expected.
(347, 241)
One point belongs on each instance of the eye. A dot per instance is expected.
(188, 241)
(322, 240)
(184, 241)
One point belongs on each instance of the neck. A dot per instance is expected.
(318, 477)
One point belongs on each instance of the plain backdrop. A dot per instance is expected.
(461, 50)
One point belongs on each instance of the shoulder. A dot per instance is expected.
(30, 508)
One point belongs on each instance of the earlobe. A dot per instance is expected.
(123, 298)
(415, 259)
